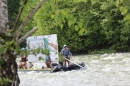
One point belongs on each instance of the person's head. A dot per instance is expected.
(23, 56)
(65, 46)
(22, 48)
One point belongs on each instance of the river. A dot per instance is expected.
(102, 70)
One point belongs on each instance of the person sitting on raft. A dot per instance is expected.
(23, 62)
(48, 61)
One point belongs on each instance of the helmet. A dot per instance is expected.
(22, 48)
(65, 45)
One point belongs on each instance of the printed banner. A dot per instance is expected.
(46, 42)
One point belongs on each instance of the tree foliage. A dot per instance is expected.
(10, 38)
(86, 24)
(27, 9)
(13, 9)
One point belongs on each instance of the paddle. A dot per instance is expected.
(74, 62)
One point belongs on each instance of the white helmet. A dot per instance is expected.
(65, 45)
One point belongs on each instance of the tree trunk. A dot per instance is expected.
(30, 15)
(27, 35)
(8, 65)
(3, 16)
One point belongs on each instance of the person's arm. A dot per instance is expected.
(69, 55)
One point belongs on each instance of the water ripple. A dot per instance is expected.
(102, 70)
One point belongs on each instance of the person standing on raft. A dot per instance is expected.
(65, 52)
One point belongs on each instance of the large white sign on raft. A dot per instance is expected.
(47, 42)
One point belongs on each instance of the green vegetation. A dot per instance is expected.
(36, 51)
(13, 10)
(11, 35)
(102, 51)
(2, 62)
(4, 81)
(40, 58)
(61, 58)
(84, 25)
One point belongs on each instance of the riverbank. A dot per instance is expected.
(102, 51)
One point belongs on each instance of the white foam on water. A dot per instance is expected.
(102, 70)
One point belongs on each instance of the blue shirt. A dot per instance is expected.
(66, 52)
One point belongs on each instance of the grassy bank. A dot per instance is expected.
(102, 51)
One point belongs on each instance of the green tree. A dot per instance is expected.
(9, 42)
(13, 9)
(86, 24)
(61, 17)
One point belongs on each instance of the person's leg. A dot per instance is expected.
(67, 60)
(64, 63)
(24, 65)
(48, 64)
(61, 63)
